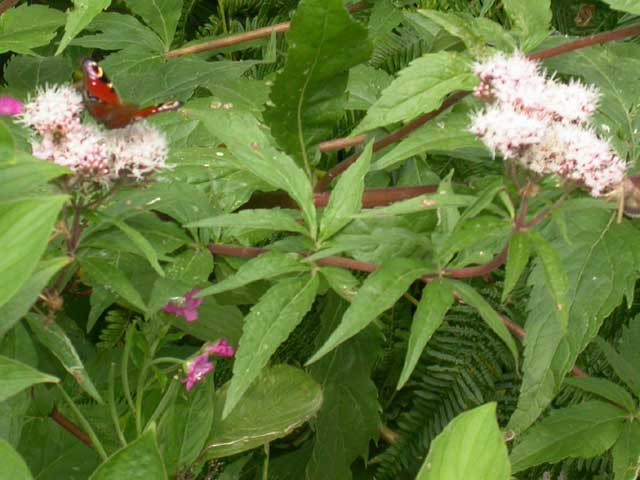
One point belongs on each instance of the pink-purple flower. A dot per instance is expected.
(198, 368)
(10, 106)
(186, 306)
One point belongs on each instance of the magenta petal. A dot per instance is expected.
(190, 315)
(221, 349)
(10, 106)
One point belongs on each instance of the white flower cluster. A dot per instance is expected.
(543, 124)
(93, 153)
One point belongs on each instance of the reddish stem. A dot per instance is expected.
(70, 427)
(6, 5)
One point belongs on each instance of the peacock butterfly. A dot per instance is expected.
(105, 105)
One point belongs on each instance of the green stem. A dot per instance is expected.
(112, 406)
(173, 360)
(85, 424)
(125, 368)
(141, 386)
(265, 465)
(166, 399)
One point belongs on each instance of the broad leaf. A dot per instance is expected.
(161, 15)
(16, 376)
(139, 460)
(281, 399)
(601, 263)
(56, 340)
(420, 88)
(378, 293)
(626, 453)
(349, 394)
(25, 227)
(341, 281)
(624, 369)
(118, 31)
(629, 6)
(215, 321)
(436, 300)
(532, 19)
(77, 19)
(112, 279)
(346, 197)
(268, 265)
(23, 73)
(606, 389)
(517, 260)
(259, 219)
(309, 94)
(13, 466)
(470, 447)
(26, 27)
(584, 430)
(266, 327)
(25, 175)
(421, 203)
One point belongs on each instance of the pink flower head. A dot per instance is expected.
(10, 106)
(53, 109)
(196, 370)
(221, 349)
(186, 307)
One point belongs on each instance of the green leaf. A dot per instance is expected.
(281, 399)
(626, 453)
(584, 431)
(629, 6)
(346, 197)
(119, 31)
(259, 219)
(517, 260)
(436, 300)
(161, 15)
(601, 260)
(605, 389)
(56, 340)
(365, 85)
(266, 327)
(378, 293)
(341, 281)
(25, 227)
(26, 27)
(470, 447)
(259, 157)
(268, 265)
(16, 376)
(348, 394)
(449, 135)
(25, 175)
(555, 277)
(77, 19)
(486, 311)
(421, 203)
(625, 370)
(630, 341)
(139, 460)
(531, 19)
(420, 88)
(13, 466)
(112, 279)
(21, 302)
(185, 426)
(309, 95)
(215, 321)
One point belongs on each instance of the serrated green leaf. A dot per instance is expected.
(348, 393)
(555, 276)
(77, 19)
(21, 302)
(605, 389)
(421, 203)
(186, 424)
(281, 399)
(25, 227)
(601, 261)
(629, 343)
(266, 327)
(309, 95)
(629, 6)
(16, 376)
(474, 32)
(267, 265)
(624, 369)
(378, 293)
(117, 32)
(26, 27)
(470, 447)
(346, 197)
(486, 311)
(215, 321)
(25, 175)
(341, 281)
(584, 430)
(420, 88)
(365, 86)
(436, 300)
(533, 20)
(449, 135)
(626, 453)
(259, 219)
(517, 260)
(161, 15)
(110, 278)
(139, 460)
(56, 340)
(13, 465)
